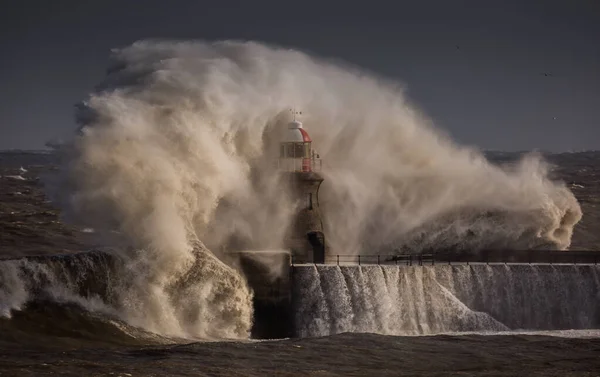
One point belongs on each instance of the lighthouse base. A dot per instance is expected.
(306, 238)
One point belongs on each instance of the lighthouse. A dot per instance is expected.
(300, 167)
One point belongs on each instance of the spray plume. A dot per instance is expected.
(176, 150)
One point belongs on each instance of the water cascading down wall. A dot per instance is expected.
(403, 300)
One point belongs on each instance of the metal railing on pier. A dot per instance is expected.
(481, 257)
(406, 259)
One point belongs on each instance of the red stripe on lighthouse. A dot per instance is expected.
(305, 136)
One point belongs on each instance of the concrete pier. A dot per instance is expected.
(425, 299)
(495, 292)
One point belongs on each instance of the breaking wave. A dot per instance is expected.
(111, 290)
(175, 157)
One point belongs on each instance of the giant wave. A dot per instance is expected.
(173, 166)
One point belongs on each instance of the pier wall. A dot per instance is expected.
(425, 299)
(424, 294)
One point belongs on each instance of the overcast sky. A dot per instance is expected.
(476, 67)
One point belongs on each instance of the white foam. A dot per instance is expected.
(17, 177)
(460, 299)
(177, 148)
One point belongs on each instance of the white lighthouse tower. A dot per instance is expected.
(301, 165)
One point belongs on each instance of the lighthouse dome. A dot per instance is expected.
(296, 134)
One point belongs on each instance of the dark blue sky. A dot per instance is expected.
(490, 91)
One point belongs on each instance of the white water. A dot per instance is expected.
(399, 300)
(102, 282)
(176, 150)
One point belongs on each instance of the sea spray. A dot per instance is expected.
(187, 132)
(176, 150)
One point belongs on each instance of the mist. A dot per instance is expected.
(175, 159)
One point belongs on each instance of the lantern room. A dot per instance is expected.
(295, 151)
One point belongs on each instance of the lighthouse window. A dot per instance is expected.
(309, 202)
(286, 150)
(294, 150)
(306, 150)
(291, 150)
(298, 150)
